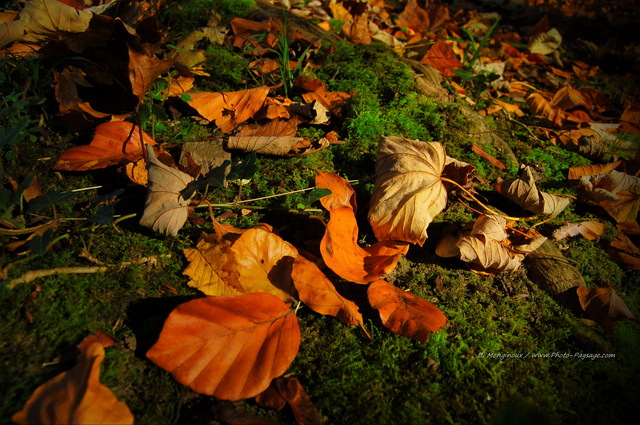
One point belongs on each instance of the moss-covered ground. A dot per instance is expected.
(505, 356)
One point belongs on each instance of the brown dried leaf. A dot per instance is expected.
(296, 397)
(228, 347)
(404, 313)
(523, 191)
(618, 193)
(623, 249)
(604, 306)
(590, 170)
(166, 210)
(277, 137)
(589, 229)
(408, 191)
(76, 396)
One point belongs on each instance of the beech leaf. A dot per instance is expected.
(290, 391)
(408, 191)
(317, 292)
(76, 396)
(339, 246)
(116, 142)
(231, 108)
(228, 347)
(404, 313)
(523, 191)
(165, 210)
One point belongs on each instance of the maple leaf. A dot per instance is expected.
(166, 210)
(408, 191)
(589, 229)
(76, 396)
(618, 193)
(317, 292)
(228, 347)
(116, 142)
(523, 191)
(404, 313)
(231, 108)
(604, 306)
(339, 246)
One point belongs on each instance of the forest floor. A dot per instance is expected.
(501, 85)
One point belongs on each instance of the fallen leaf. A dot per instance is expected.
(490, 158)
(589, 229)
(116, 142)
(541, 106)
(404, 313)
(618, 193)
(143, 71)
(231, 108)
(317, 292)
(441, 57)
(290, 390)
(228, 347)
(624, 250)
(333, 101)
(546, 43)
(277, 137)
(523, 191)
(40, 19)
(408, 191)
(263, 262)
(166, 210)
(207, 262)
(339, 246)
(594, 169)
(604, 306)
(76, 396)
(420, 19)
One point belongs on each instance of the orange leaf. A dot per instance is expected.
(263, 262)
(319, 294)
(76, 396)
(231, 108)
(587, 170)
(339, 246)
(604, 306)
(589, 229)
(228, 347)
(114, 143)
(404, 313)
(143, 71)
(441, 57)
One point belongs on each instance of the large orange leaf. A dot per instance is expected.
(114, 143)
(76, 396)
(339, 246)
(166, 210)
(317, 292)
(441, 57)
(408, 191)
(404, 313)
(228, 347)
(231, 108)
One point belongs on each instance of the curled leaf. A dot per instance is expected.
(618, 193)
(404, 313)
(228, 347)
(523, 191)
(408, 191)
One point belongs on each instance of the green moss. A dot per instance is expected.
(555, 161)
(229, 70)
